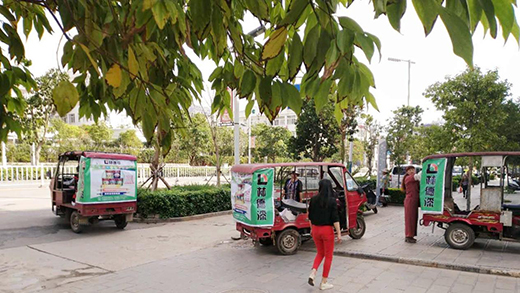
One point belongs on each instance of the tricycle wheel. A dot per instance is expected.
(375, 210)
(459, 236)
(359, 231)
(74, 222)
(120, 221)
(266, 241)
(288, 241)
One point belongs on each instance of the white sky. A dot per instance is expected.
(433, 56)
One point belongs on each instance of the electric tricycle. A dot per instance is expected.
(264, 214)
(91, 186)
(497, 214)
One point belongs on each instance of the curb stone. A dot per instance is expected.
(427, 263)
(157, 220)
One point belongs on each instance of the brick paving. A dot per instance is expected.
(239, 267)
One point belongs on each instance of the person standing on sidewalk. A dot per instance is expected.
(410, 186)
(464, 181)
(323, 214)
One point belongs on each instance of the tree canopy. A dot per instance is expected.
(401, 132)
(135, 55)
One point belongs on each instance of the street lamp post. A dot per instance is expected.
(410, 62)
(236, 113)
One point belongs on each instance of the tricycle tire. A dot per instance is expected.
(120, 221)
(288, 241)
(359, 231)
(74, 222)
(459, 236)
(266, 241)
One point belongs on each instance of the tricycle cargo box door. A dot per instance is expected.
(252, 198)
(106, 180)
(432, 186)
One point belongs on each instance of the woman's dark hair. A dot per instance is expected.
(403, 186)
(324, 192)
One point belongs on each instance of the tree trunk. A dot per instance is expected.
(37, 151)
(342, 150)
(154, 166)
(470, 179)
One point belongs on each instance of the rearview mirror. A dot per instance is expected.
(360, 190)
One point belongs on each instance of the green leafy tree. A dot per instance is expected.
(100, 134)
(429, 140)
(348, 127)
(129, 139)
(474, 110)
(69, 137)
(316, 134)
(401, 132)
(40, 108)
(132, 54)
(197, 140)
(271, 142)
(511, 125)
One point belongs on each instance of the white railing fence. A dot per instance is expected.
(27, 172)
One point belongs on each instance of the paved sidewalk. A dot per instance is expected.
(384, 239)
(239, 267)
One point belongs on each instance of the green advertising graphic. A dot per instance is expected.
(432, 186)
(252, 198)
(106, 180)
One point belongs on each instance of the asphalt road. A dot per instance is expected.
(26, 218)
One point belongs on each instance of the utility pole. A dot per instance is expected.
(410, 62)
(4, 155)
(236, 113)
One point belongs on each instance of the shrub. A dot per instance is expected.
(182, 201)
(372, 182)
(396, 196)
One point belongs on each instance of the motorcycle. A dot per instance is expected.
(371, 203)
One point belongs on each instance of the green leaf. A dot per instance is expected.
(258, 8)
(160, 14)
(332, 54)
(322, 97)
(274, 65)
(65, 97)
(377, 42)
(247, 84)
(311, 45)
(345, 39)
(265, 90)
(133, 65)
(274, 45)
(295, 11)
(276, 100)
(113, 76)
(459, 34)
(87, 51)
(350, 24)
(149, 123)
(427, 12)
(506, 15)
(395, 11)
(489, 12)
(295, 56)
(475, 13)
(516, 32)
(293, 99)
(216, 74)
(249, 107)
(372, 100)
(27, 26)
(338, 113)
(366, 44)
(366, 72)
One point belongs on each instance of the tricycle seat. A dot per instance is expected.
(294, 205)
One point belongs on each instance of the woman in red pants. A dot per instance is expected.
(323, 214)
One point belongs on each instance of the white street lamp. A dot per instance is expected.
(410, 62)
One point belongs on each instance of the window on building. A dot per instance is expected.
(72, 118)
(276, 122)
(291, 120)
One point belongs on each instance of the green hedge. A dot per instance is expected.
(372, 182)
(183, 201)
(396, 196)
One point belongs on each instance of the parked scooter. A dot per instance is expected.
(371, 203)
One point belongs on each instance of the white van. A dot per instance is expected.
(395, 179)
